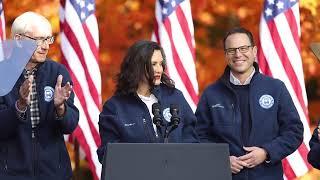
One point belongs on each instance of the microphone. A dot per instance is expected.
(175, 119)
(157, 120)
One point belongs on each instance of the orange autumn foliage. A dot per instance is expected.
(122, 22)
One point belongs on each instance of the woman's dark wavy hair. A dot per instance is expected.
(137, 65)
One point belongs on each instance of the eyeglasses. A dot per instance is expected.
(232, 51)
(39, 41)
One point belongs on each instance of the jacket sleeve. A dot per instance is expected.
(203, 119)
(189, 134)
(290, 133)
(108, 128)
(314, 153)
(8, 119)
(69, 121)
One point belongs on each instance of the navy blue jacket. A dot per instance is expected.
(276, 125)
(45, 156)
(314, 153)
(127, 119)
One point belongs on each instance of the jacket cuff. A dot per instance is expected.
(269, 154)
(59, 118)
(21, 114)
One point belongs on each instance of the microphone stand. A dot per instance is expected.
(168, 128)
(167, 131)
(166, 135)
(174, 122)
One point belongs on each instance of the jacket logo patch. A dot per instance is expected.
(129, 124)
(266, 101)
(217, 106)
(48, 93)
(166, 114)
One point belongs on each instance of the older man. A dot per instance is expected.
(251, 112)
(39, 110)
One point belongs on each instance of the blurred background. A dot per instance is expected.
(122, 22)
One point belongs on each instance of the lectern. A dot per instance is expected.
(170, 161)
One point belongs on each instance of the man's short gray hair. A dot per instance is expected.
(24, 23)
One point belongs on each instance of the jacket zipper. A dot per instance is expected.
(234, 115)
(59, 166)
(5, 166)
(241, 138)
(146, 128)
(6, 160)
(34, 158)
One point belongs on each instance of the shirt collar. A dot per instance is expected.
(27, 73)
(236, 81)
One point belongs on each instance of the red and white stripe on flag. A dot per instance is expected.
(80, 46)
(175, 33)
(2, 29)
(279, 56)
(2, 23)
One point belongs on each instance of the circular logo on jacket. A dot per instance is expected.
(48, 93)
(166, 114)
(266, 101)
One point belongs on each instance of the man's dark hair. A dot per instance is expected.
(137, 65)
(238, 30)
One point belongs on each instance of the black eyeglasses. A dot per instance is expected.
(40, 41)
(242, 49)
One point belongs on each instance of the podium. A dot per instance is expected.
(170, 161)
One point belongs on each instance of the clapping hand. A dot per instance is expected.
(24, 93)
(61, 94)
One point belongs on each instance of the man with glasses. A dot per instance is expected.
(39, 110)
(251, 112)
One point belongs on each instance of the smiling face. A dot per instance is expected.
(241, 61)
(157, 66)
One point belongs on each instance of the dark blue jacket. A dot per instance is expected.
(45, 156)
(276, 125)
(314, 153)
(127, 119)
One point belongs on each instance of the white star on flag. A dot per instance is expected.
(173, 3)
(270, 2)
(90, 7)
(280, 5)
(164, 11)
(268, 12)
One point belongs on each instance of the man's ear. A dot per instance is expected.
(255, 51)
(17, 37)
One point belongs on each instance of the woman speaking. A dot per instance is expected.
(146, 107)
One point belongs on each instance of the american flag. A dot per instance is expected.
(80, 47)
(279, 56)
(2, 23)
(2, 29)
(175, 33)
